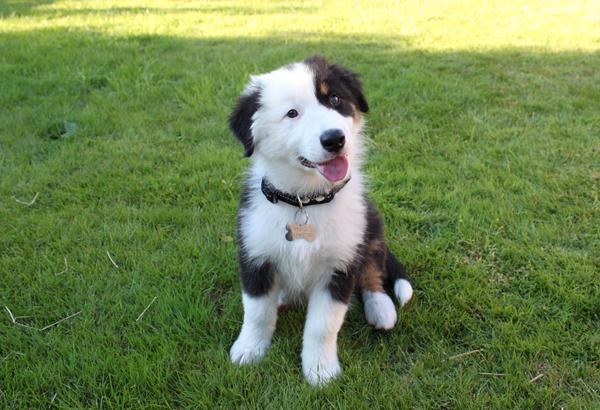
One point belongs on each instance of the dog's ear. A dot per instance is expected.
(240, 120)
(351, 80)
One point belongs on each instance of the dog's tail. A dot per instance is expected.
(397, 278)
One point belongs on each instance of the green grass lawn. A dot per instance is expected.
(484, 157)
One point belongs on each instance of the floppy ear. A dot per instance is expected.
(240, 119)
(354, 85)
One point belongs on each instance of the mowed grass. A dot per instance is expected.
(483, 156)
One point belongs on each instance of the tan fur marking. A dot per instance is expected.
(324, 88)
(356, 117)
(372, 277)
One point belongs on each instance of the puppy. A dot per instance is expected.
(306, 229)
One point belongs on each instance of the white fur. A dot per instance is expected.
(319, 353)
(403, 291)
(301, 264)
(379, 310)
(283, 298)
(260, 316)
(279, 141)
(301, 268)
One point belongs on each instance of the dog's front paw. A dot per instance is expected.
(319, 370)
(248, 351)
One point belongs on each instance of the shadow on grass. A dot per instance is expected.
(21, 8)
(498, 121)
(35, 8)
(478, 137)
(533, 80)
(112, 83)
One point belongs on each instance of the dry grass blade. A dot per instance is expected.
(112, 260)
(13, 353)
(536, 378)
(144, 311)
(469, 353)
(60, 321)
(66, 267)
(25, 326)
(28, 203)
(12, 318)
(492, 374)
(592, 391)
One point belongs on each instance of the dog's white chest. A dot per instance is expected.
(300, 263)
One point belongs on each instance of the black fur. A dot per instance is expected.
(393, 268)
(256, 276)
(240, 120)
(374, 229)
(341, 285)
(341, 82)
(329, 79)
(381, 255)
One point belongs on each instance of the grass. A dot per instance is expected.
(484, 158)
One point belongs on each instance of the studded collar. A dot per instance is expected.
(274, 195)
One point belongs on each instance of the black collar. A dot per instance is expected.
(274, 195)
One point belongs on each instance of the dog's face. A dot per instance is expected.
(307, 115)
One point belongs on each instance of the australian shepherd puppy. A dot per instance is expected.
(306, 229)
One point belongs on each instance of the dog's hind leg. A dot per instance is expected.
(380, 311)
(397, 278)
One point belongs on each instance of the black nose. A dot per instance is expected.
(333, 140)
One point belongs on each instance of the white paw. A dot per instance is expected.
(403, 291)
(319, 370)
(247, 351)
(379, 310)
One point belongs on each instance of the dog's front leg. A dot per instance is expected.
(327, 307)
(260, 316)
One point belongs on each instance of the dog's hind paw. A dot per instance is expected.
(379, 310)
(403, 291)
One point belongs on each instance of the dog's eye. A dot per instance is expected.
(334, 100)
(292, 113)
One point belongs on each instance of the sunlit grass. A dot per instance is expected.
(431, 25)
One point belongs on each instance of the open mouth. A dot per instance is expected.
(333, 170)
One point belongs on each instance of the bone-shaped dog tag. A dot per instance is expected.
(300, 231)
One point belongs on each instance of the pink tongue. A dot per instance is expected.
(335, 169)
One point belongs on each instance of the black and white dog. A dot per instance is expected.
(306, 228)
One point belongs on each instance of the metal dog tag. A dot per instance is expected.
(304, 230)
(300, 231)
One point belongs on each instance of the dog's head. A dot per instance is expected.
(307, 115)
